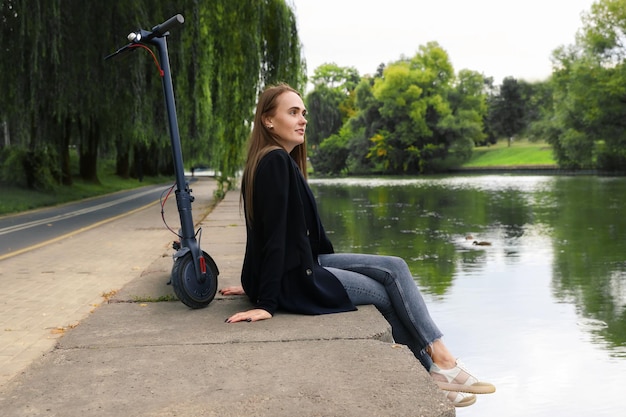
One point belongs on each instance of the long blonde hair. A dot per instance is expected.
(262, 141)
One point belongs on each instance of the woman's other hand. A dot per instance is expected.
(251, 315)
(236, 290)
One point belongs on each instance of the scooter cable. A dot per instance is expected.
(163, 201)
(197, 235)
(156, 61)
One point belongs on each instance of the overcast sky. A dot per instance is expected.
(497, 38)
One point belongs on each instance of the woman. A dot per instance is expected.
(289, 262)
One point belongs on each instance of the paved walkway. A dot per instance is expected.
(83, 332)
(49, 290)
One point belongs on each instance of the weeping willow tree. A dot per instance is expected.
(57, 92)
(30, 77)
(231, 50)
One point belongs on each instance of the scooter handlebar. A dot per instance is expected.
(141, 35)
(160, 30)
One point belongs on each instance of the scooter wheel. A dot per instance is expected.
(188, 288)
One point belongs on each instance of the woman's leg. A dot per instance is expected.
(386, 282)
(393, 291)
(364, 290)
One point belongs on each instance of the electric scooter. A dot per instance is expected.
(194, 273)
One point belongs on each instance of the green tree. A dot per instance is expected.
(29, 82)
(587, 126)
(324, 114)
(363, 126)
(464, 126)
(414, 108)
(414, 116)
(538, 98)
(330, 105)
(266, 33)
(507, 110)
(333, 76)
(331, 156)
(58, 92)
(331, 102)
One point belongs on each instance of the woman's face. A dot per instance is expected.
(289, 122)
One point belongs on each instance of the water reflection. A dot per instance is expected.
(548, 294)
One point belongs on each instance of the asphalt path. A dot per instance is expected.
(33, 229)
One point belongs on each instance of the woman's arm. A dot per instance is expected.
(271, 213)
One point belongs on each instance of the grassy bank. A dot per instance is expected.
(18, 199)
(521, 153)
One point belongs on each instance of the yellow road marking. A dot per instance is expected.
(75, 232)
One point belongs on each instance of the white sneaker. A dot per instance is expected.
(458, 379)
(460, 399)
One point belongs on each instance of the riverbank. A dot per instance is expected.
(522, 156)
(523, 169)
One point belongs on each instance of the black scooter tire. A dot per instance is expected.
(189, 291)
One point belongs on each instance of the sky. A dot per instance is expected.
(498, 38)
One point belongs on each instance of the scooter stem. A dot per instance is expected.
(183, 194)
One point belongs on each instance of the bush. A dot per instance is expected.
(611, 160)
(35, 169)
(330, 157)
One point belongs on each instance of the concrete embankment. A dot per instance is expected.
(142, 354)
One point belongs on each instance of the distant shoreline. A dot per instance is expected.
(508, 168)
(530, 169)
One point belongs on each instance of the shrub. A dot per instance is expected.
(36, 169)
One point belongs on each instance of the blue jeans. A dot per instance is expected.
(387, 283)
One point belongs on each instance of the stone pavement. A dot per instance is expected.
(47, 291)
(88, 328)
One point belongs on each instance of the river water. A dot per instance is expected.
(541, 311)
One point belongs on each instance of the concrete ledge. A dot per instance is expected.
(171, 323)
(158, 359)
(310, 378)
(136, 357)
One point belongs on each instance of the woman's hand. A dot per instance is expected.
(236, 290)
(250, 315)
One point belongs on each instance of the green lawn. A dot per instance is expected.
(16, 199)
(520, 153)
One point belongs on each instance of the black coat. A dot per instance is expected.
(280, 268)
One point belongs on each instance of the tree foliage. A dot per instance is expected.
(58, 93)
(330, 105)
(415, 117)
(587, 125)
(507, 109)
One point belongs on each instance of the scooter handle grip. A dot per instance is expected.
(160, 30)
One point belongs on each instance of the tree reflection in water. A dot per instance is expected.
(427, 221)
